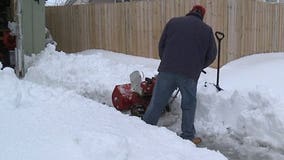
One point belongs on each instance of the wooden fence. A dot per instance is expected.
(135, 27)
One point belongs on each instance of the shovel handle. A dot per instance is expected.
(219, 35)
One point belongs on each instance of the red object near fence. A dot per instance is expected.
(9, 41)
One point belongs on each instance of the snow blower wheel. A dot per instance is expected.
(137, 110)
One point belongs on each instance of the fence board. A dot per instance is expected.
(281, 28)
(134, 28)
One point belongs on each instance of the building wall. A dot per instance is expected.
(33, 26)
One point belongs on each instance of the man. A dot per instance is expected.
(186, 47)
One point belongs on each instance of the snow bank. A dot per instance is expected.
(250, 115)
(92, 74)
(41, 122)
(247, 115)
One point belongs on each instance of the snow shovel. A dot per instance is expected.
(220, 36)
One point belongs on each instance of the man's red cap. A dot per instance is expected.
(200, 9)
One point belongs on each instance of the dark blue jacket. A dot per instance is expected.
(186, 46)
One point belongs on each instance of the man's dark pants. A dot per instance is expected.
(165, 86)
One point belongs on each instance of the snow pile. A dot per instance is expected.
(93, 75)
(246, 117)
(245, 121)
(51, 122)
(251, 103)
(252, 114)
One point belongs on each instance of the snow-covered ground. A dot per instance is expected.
(62, 110)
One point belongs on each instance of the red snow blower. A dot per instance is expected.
(134, 96)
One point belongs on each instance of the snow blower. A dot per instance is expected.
(134, 96)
